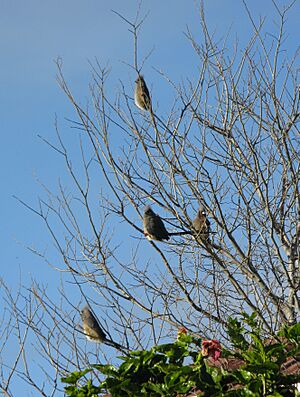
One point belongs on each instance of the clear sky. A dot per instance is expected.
(32, 34)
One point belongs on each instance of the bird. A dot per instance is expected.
(202, 225)
(91, 327)
(94, 332)
(154, 228)
(141, 94)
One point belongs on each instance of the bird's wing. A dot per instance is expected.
(145, 94)
(207, 223)
(93, 328)
(159, 227)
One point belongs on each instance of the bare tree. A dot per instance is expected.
(229, 145)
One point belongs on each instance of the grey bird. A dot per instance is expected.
(202, 225)
(154, 228)
(91, 327)
(141, 94)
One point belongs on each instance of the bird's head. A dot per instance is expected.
(201, 210)
(139, 79)
(85, 311)
(148, 210)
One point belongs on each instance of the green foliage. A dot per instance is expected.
(176, 368)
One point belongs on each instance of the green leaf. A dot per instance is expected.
(262, 368)
(292, 333)
(236, 332)
(75, 376)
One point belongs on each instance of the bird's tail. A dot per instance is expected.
(116, 345)
(180, 233)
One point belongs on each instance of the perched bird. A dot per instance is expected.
(202, 225)
(91, 326)
(141, 94)
(154, 228)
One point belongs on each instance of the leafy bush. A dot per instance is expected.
(177, 368)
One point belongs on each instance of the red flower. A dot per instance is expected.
(181, 331)
(211, 348)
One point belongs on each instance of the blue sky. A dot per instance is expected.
(32, 34)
